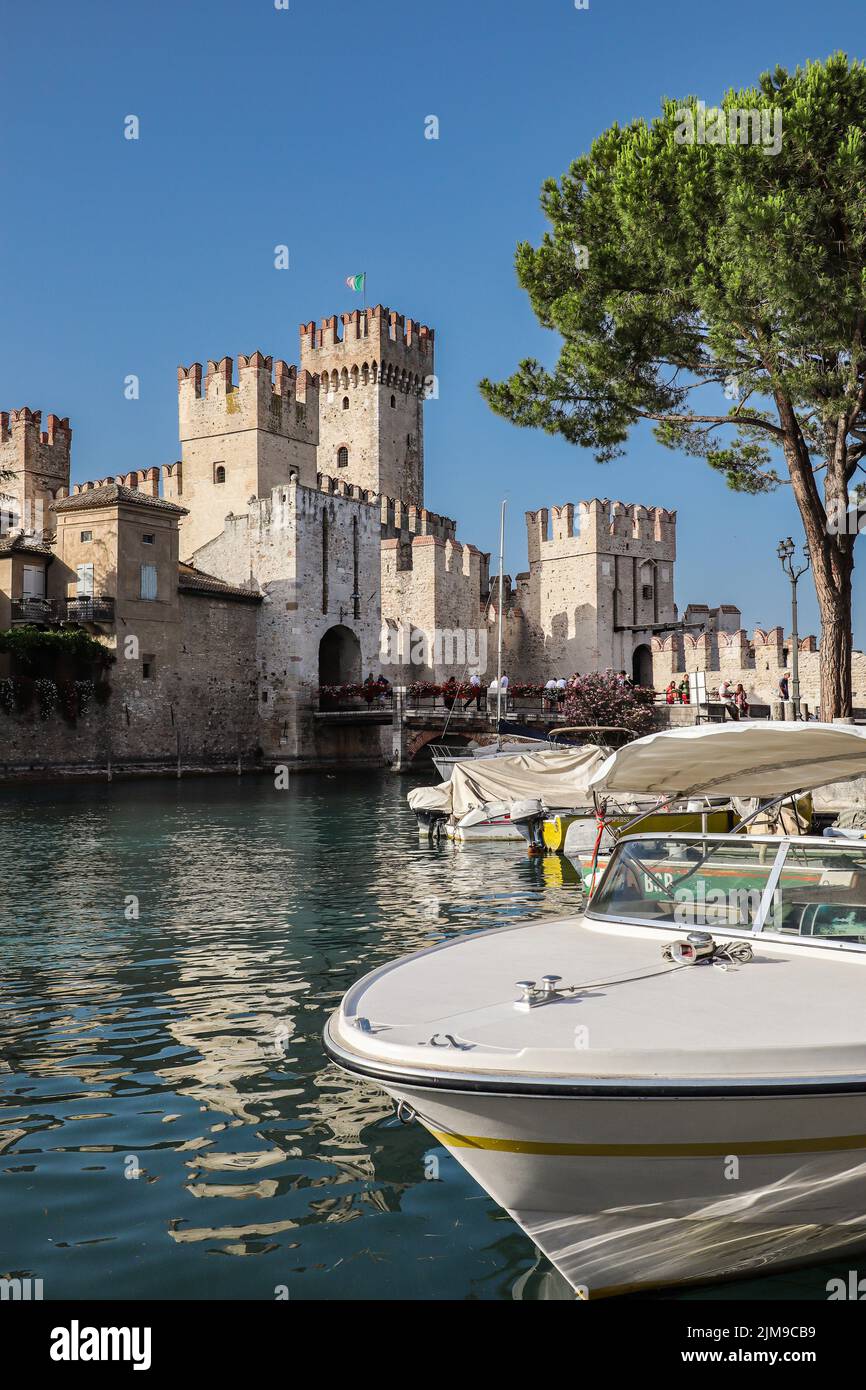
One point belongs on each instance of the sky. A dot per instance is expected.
(304, 126)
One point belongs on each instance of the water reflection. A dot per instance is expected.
(170, 952)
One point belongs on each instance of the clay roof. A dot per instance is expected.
(110, 495)
(24, 545)
(192, 580)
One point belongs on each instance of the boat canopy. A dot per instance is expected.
(558, 778)
(764, 760)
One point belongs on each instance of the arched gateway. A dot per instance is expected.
(339, 657)
(642, 666)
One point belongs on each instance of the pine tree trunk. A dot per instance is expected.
(833, 589)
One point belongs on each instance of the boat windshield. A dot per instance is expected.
(812, 889)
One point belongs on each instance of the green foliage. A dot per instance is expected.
(38, 649)
(709, 265)
(677, 269)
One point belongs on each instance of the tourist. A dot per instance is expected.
(671, 693)
(449, 693)
(561, 687)
(549, 694)
(474, 692)
(784, 687)
(683, 689)
(726, 696)
(741, 701)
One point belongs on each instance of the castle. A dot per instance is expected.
(290, 545)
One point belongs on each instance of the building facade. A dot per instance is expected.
(289, 548)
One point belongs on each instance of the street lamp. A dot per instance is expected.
(785, 552)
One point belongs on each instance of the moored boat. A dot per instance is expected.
(493, 798)
(672, 1087)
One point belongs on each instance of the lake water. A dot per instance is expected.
(169, 1125)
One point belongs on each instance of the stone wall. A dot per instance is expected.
(310, 554)
(200, 706)
(433, 594)
(757, 662)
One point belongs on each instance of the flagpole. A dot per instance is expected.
(499, 641)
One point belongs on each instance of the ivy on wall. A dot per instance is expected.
(62, 671)
(34, 647)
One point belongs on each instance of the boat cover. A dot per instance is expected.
(559, 779)
(762, 760)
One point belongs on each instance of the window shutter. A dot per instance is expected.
(148, 581)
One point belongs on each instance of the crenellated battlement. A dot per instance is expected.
(57, 435)
(145, 481)
(400, 519)
(377, 335)
(600, 525)
(339, 487)
(38, 460)
(443, 559)
(261, 394)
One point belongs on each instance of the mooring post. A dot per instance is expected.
(398, 752)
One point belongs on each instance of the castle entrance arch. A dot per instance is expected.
(339, 657)
(642, 666)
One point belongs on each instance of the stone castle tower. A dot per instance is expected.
(39, 462)
(373, 382)
(600, 583)
(239, 439)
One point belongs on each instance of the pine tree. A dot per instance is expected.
(707, 272)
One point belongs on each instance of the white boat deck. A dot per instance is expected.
(792, 1012)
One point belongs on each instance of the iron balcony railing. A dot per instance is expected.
(78, 609)
(32, 610)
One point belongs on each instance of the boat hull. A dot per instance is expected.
(499, 829)
(635, 1192)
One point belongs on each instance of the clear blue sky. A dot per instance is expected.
(306, 127)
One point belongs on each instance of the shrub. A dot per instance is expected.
(600, 699)
(41, 651)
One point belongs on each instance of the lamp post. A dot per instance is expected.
(785, 552)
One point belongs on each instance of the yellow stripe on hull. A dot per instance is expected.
(832, 1144)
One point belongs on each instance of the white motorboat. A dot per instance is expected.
(492, 798)
(673, 1087)
(445, 756)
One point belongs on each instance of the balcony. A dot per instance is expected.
(32, 610)
(78, 609)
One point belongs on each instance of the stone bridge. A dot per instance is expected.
(414, 725)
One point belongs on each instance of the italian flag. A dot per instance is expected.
(356, 282)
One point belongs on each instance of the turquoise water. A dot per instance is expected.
(169, 1125)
